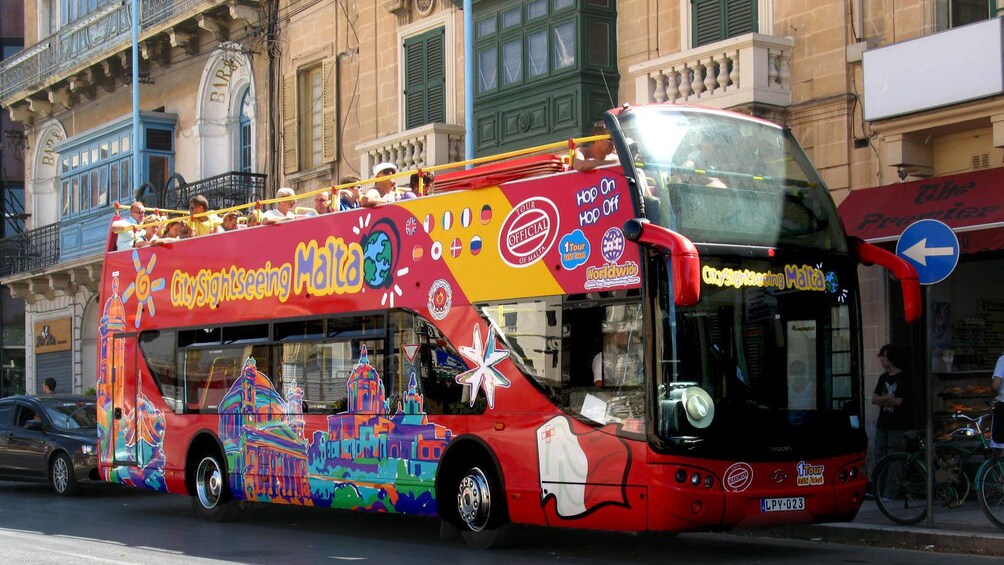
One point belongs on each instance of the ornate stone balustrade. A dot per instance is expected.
(102, 34)
(748, 69)
(425, 146)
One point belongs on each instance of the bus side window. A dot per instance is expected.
(222, 374)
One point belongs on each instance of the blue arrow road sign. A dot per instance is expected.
(931, 247)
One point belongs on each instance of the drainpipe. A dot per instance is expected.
(136, 164)
(468, 80)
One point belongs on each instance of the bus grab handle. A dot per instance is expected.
(870, 254)
(686, 261)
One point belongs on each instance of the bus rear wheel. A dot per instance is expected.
(481, 508)
(212, 501)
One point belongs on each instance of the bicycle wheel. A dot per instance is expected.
(991, 490)
(951, 483)
(900, 492)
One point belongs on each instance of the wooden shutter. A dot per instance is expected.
(414, 82)
(740, 17)
(706, 21)
(715, 20)
(329, 106)
(425, 79)
(435, 66)
(290, 136)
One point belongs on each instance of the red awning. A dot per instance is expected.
(972, 204)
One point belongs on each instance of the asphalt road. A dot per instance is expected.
(109, 524)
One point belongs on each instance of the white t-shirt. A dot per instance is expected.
(999, 374)
(276, 214)
(127, 237)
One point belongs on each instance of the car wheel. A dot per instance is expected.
(61, 475)
(212, 501)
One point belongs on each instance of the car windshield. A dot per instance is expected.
(72, 414)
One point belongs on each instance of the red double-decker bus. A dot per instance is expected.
(669, 342)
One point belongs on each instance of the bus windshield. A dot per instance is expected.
(776, 361)
(718, 179)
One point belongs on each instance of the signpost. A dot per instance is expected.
(932, 248)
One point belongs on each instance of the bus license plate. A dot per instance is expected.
(790, 504)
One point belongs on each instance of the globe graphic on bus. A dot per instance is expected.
(378, 256)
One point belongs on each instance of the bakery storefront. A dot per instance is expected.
(962, 334)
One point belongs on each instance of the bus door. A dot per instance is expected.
(125, 386)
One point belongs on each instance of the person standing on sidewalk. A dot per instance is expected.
(891, 395)
(997, 425)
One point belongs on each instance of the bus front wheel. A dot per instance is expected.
(481, 508)
(212, 501)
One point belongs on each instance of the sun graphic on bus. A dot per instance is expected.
(143, 287)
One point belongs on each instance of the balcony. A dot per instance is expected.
(424, 146)
(746, 70)
(33, 250)
(906, 77)
(95, 51)
(222, 191)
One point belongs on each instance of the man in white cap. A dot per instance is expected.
(383, 188)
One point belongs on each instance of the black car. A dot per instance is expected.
(51, 438)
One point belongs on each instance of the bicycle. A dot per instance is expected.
(900, 479)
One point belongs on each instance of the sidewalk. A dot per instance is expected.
(959, 530)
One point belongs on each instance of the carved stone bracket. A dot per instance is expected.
(156, 50)
(96, 76)
(240, 11)
(80, 85)
(216, 26)
(113, 69)
(187, 40)
(61, 97)
(39, 106)
(20, 113)
(87, 276)
(21, 290)
(41, 288)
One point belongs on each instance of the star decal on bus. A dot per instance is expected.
(143, 287)
(484, 375)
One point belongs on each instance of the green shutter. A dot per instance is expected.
(424, 79)
(740, 17)
(715, 20)
(706, 22)
(435, 68)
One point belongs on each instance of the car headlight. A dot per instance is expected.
(87, 449)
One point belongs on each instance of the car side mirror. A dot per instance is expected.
(35, 425)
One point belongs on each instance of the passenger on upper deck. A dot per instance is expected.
(427, 181)
(149, 234)
(125, 227)
(172, 233)
(322, 202)
(231, 220)
(598, 153)
(383, 190)
(200, 221)
(283, 209)
(348, 198)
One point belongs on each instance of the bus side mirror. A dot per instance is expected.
(684, 258)
(869, 254)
